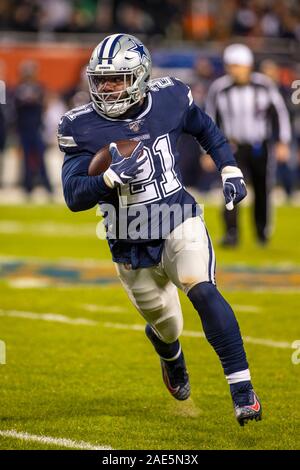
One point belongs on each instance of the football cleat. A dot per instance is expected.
(246, 403)
(176, 378)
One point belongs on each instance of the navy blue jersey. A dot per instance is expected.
(168, 111)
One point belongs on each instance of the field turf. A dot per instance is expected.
(79, 367)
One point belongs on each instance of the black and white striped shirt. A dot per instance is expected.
(249, 113)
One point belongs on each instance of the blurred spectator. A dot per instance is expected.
(133, 19)
(82, 18)
(25, 16)
(6, 14)
(149, 17)
(197, 169)
(204, 76)
(104, 16)
(78, 95)
(199, 20)
(2, 140)
(29, 106)
(192, 19)
(55, 15)
(270, 23)
(245, 18)
(285, 173)
(2, 118)
(55, 108)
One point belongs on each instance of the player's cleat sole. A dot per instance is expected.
(176, 379)
(244, 420)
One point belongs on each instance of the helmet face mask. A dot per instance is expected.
(118, 56)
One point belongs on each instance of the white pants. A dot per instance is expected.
(187, 259)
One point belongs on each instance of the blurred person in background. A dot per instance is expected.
(79, 94)
(29, 108)
(205, 74)
(194, 175)
(245, 18)
(2, 119)
(251, 112)
(2, 141)
(54, 109)
(132, 18)
(296, 121)
(285, 170)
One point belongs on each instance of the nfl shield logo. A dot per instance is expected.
(135, 125)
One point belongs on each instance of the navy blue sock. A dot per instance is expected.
(164, 350)
(220, 326)
(244, 386)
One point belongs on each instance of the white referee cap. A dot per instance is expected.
(238, 54)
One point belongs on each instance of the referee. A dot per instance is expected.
(249, 109)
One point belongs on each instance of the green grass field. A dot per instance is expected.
(86, 372)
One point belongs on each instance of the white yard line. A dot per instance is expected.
(267, 342)
(48, 229)
(54, 317)
(246, 308)
(123, 326)
(61, 442)
(198, 334)
(51, 317)
(103, 308)
(28, 283)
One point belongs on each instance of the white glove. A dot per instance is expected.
(234, 187)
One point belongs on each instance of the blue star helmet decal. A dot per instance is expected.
(139, 49)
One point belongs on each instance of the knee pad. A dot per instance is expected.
(165, 317)
(169, 329)
(148, 300)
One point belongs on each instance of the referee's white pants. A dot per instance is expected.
(187, 259)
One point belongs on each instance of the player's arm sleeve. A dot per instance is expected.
(197, 123)
(81, 191)
(282, 127)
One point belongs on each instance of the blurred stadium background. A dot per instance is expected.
(90, 384)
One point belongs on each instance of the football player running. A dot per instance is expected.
(173, 249)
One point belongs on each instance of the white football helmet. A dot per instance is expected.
(119, 55)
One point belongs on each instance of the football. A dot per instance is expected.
(102, 158)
